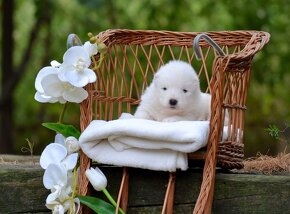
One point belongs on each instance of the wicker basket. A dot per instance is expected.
(129, 65)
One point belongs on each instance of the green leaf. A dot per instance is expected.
(65, 130)
(97, 205)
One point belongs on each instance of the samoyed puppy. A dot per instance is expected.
(174, 95)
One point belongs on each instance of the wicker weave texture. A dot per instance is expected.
(134, 56)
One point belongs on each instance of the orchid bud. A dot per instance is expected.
(72, 145)
(93, 40)
(96, 178)
(90, 34)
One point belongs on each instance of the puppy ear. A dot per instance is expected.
(156, 77)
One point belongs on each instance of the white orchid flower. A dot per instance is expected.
(61, 183)
(55, 153)
(55, 179)
(40, 94)
(54, 87)
(92, 49)
(75, 67)
(97, 178)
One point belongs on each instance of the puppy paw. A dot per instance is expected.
(170, 119)
(142, 115)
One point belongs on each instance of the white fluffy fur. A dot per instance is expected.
(178, 81)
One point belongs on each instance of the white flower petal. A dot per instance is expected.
(42, 98)
(53, 153)
(70, 179)
(70, 161)
(75, 53)
(90, 74)
(65, 192)
(67, 205)
(59, 209)
(54, 175)
(75, 95)
(60, 139)
(61, 100)
(78, 203)
(64, 71)
(55, 64)
(92, 49)
(51, 197)
(41, 74)
(51, 204)
(52, 85)
(77, 79)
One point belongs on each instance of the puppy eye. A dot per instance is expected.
(184, 90)
(164, 88)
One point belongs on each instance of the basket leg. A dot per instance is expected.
(208, 206)
(205, 198)
(169, 196)
(124, 191)
(209, 201)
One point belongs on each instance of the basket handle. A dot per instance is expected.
(197, 51)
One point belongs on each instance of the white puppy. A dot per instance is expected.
(174, 95)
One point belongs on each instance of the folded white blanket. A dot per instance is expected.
(144, 143)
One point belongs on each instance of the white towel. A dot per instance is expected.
(143, 143)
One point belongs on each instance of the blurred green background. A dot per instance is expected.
(40, 29)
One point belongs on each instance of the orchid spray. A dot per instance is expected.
(63, 83)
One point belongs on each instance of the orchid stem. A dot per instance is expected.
(75, 182)
(74, 191)
(96, 64)
(60, 119)
(107, 194)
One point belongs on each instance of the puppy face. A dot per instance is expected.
(176, 85)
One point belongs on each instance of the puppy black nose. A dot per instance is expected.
(173, 102)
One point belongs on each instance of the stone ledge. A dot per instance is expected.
(22, 190)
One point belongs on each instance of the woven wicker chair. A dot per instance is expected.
(132, 58)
